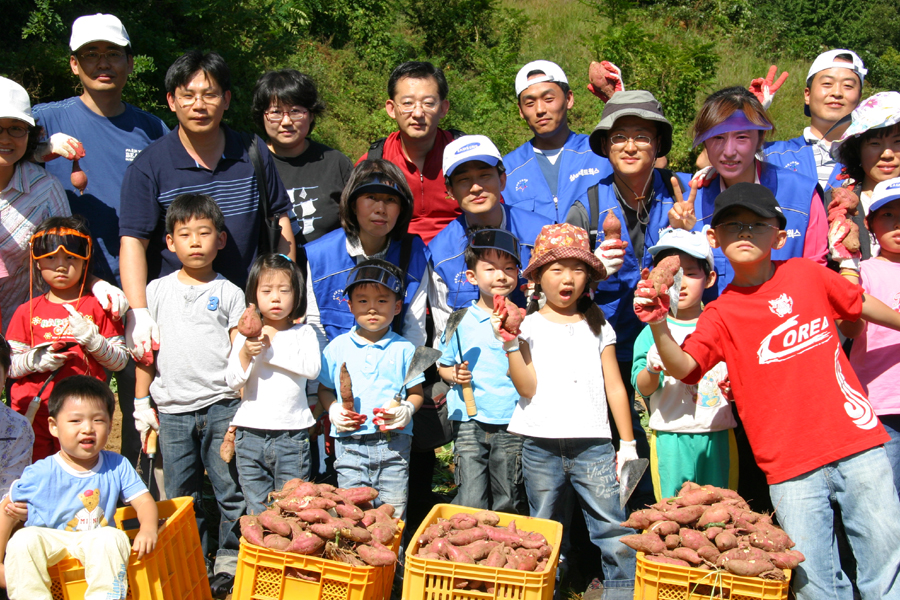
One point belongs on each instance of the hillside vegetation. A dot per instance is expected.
(680, 50)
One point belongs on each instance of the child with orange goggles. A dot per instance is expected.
(63, 331)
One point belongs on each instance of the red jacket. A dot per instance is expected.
(433, 208)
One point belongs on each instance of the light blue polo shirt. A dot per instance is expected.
(376, 371)
(495, 394)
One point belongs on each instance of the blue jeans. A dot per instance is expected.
(268, 459)
(190, 443)
(488, 467)
(891, 424)
(553, 468)
(375, 461)
(861, 487)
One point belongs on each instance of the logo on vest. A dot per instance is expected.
(131, 154)
(577, 174)
(793, 233)
(521, 185)
(460, 278)
(790, 339)
(338, 296)
(793, 165)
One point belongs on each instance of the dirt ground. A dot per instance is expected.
(115, 435)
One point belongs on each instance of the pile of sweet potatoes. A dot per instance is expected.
(712, 528)
(475, 538)
(321, 520)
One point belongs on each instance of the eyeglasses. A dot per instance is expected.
(640, 141)
(50, 241)
(276, 115)
(16, 131)
(188, 100)
(429, 105)
(109, 55)
(734, 228)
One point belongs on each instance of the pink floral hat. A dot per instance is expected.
(560, 241)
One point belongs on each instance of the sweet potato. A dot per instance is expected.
(703, 495)
(301, 490)
(295, 505)
(467, 536)
(672, 541)
(639, 519)
(226, 450)
(745, 554)
(726, 541)
(252, 530)
(717, 513)
(250, 325)
(276, 542)
(511, 317)
(331, 528)
(502, 534)
(462, 521)
(486, 517)
(286, 489)
(523, 562)
(687, 514)
(357, 494)
(712, 532)
(532, 540)
(431, 533)
(748, 568)
(349, 511)
(480, 549)
(306, 543)
(459, 555)
(649, 543)
(773, 574)
(314, 515)
(664, 528)
(274, 522)
(496, 557)
(666, 560)
(685, 554)
(346, 389)
(376, 555)
(360, 535)
(612, 227)
(709, 553)
(430, 555)
(782, 560)
(78, 177)
(386, 508)
(691, 538)
(662, 277)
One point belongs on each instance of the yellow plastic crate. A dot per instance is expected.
(672, 582)
(175, 570)
(426, 579)
(266, 574)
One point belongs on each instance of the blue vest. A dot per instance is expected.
(527, 189)
(329, 266)
(448, 247)
(793, 192)
(615, 295)
(797, 155)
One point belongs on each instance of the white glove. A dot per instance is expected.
(141, 335)
(654, 362)
(59, 144)
(627, 451)
(145, 418)
(611, 254)
(43, 359)
(338, 416)
(85, 333)
(111, 299)
(399, 416)
(704, 176)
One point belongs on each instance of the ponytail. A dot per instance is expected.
(533, 303)
(592, 313)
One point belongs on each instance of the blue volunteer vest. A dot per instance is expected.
(527, 189)
(448, 247)
(329, 266)
(797, 155)
(615, 295)
(793, 192)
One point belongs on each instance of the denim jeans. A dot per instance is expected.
(375, 461)
(190, 443)
(891, 424)
(587, 467)
(268, 459)
(488, 467)
(861, 487)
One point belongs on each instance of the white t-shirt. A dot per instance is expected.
(570, 400)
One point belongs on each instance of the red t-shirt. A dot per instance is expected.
(433, 208)
(50, 323)
(798, 398)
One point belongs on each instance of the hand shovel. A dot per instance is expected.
(152, 437)
(632, 471)
(675, 292)
(452, 323)
(422, 358)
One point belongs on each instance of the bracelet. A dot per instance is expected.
(849, 272)
(511, 350)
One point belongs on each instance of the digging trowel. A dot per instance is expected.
(452, 323)
(422, 358)
(632, 471)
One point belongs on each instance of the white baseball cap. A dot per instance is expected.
(692, 243)
(884, 192)
(828, 60)
(551, 72)
(98, 28)
(14, 102)
(469, 147)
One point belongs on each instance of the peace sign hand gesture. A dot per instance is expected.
(764, 89)
(681, 215)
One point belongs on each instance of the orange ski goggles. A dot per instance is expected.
(49, 242)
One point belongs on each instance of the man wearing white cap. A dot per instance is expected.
(112, 133)
(549, 171)
(475, 178)
(833, 90)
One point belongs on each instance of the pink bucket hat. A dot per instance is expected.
(560, 241)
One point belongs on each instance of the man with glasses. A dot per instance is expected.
(112, 133)
(417, 101)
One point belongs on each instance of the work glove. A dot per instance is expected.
(344, 420)
(396, 417)
(704, 177)
(840, 228)
(145, 419)
(654, 362)
(627, 451)
(510, 342)
(85, 333)
(141, 335)
(606, 80)
(44, 359)
(111, 299)
(764, 89)
(649, 306)
(59, 144)
(612, 254)
(725, 387)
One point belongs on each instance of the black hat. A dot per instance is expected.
(752, 196)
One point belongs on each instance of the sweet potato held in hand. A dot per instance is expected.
(663, 274)
(78, 177)
(511, 317)
(612, 227)
(346, 389)
(250, 325)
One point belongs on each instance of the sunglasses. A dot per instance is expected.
(49, 242)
